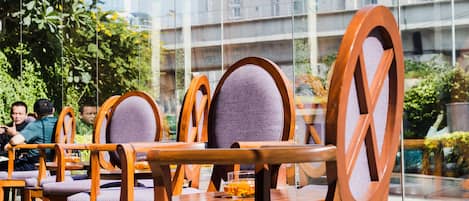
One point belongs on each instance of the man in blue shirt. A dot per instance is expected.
(37, 132)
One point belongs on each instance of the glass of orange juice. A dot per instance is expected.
(240, 184)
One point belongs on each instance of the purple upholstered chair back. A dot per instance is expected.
(135, 117)
(252, 102)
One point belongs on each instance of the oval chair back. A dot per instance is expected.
(192, 124)
(99, 133)
(253, 101)
(134, 117)
(65, 129)
(365, 106)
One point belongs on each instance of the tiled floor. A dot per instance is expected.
(424, 187)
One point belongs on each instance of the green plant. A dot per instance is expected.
(459, 144)
(61, 37)
(423, 102)
(419, 69)
(27, 87)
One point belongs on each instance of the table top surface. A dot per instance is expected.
(313, 192)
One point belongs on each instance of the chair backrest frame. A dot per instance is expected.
(282, 84)
(101, 122)
(68, 127)
(286, 94)
(193, 109)
(370, 141)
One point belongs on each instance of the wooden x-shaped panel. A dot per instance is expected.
(365, 105)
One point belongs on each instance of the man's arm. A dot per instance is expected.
(16, 137)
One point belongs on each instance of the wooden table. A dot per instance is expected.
(161, 159)
(290, 194)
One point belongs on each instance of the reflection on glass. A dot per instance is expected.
(76, 52)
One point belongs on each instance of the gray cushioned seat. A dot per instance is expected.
(31, 182)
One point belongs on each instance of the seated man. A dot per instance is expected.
(85, 125)
(19, 120)
(37, 132)
(88, 113)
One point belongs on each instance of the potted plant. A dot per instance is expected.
(457, 109)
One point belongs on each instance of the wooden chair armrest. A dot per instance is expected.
(42, 158)
(146, 147)
(161, 159)
(414, 144)
(127, 154)
(267, 155)
(94, 148)
(258, 144)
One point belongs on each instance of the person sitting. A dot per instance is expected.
(85, 125)
(19, 120)
(37, 132)
(87, 116)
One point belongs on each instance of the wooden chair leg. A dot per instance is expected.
(27, 195)
(32, 194)
(2, 194)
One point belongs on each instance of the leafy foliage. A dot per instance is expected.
(423, 102)
(60, 43)
(27, 87)
(458, 143)
(418, 69)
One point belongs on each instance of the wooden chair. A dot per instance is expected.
(363, 122)
(192, 128)
(275, 110)
(32, 180)
(251, 106)
(62, 188)
(310, 111)
(192, 124)
(365, 106)
(134, 117)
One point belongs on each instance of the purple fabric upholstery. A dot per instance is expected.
(248, 107)
(133, 120)
(67, 118)
(31, 182)
(102, 138)
(110, 194)
(21, 174)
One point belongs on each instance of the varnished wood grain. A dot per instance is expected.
(371, 21)
(160, 160)
(194, 110)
